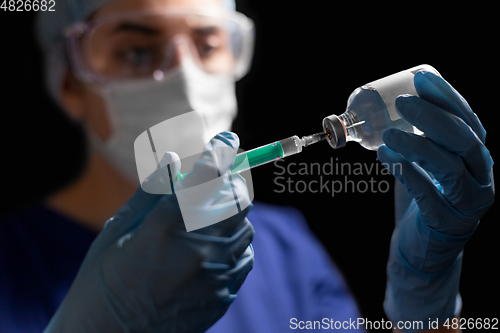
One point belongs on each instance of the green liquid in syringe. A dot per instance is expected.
(271, 152)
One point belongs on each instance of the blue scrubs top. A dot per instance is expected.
(293, 282)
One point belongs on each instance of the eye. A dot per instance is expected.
(138, 59)
(208, 39)
(138, 56)
(206, 49)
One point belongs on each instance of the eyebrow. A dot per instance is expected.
(133, 27)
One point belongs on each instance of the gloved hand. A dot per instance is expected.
(145, 273)
(449, 176)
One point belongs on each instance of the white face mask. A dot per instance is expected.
(135, 106)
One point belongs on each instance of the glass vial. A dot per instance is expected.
(371, 110)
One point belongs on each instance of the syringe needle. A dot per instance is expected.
(294, 144)
(313, 138)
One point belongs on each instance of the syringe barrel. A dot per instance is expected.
(252, 158)
(270, 152)
(291, 145)
(258, 156)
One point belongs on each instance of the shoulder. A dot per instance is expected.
(292, 266)
(277, 218)
(40, 254)
(38, 242)
(283, 231)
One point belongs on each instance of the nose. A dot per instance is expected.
(180, 50)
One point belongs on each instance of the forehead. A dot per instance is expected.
(121, 6)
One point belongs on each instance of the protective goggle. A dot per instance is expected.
(146, 44)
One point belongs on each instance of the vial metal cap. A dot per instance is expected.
(336, 132)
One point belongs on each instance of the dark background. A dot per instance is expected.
(308, 59)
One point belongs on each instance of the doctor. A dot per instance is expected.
(107, 61)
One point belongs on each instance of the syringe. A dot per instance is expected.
(271, 152)
(274, 151)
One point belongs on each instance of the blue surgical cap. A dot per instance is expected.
(50, 35)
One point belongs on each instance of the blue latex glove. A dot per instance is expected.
(145, 273)
(449, 178)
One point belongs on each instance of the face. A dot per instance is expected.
(132, 39)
